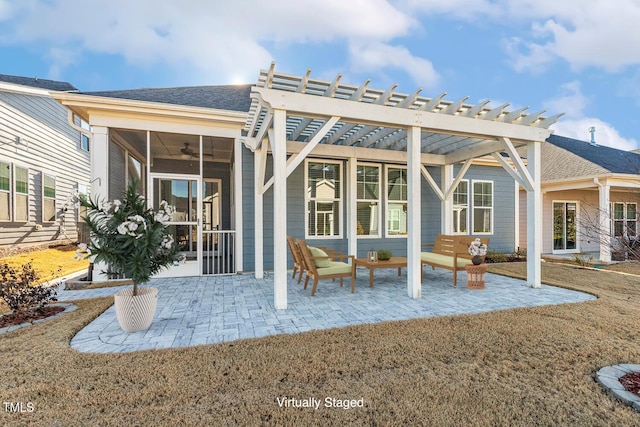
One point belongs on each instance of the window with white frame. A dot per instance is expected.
(461, 208)
(21, 194)
(368, 200)
(625, 219)
(48, 198)
(5, 191)
(397, 189)
(84, 137)
(482, 207)
(323, 198)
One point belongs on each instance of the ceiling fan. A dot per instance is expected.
(187, 152)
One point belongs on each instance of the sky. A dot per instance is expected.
(577, 57)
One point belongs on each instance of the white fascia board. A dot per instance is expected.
(27, 90)
(381, 115)
(118, 105)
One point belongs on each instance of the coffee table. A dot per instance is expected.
(394, 262)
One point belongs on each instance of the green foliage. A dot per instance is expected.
(129, 237)
(384, 254)
(20, 291)
(583, 260)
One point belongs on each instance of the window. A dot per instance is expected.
(21, 195)
(482, 206)
(5, 191)
(461, 208)
(625, 219)
(323, 198)
(368, 200)
(396, 201)
(48, 198)
(84, 138)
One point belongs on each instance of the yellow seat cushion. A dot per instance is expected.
(319, 262)
(334, 268)
(444, 260)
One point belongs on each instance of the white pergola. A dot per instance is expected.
(299, 115)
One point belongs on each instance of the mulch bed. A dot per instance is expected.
(12, 319)
(631, 382)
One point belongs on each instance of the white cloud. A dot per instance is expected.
(605, 134)
(576, 123)
(380, 56)
(218, 41)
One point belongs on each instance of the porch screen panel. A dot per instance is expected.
(5, 191)
(117, 171)
(324, 198)
(368, 200)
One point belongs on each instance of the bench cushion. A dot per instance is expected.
(334, 268)
(444, 260)
(320, 262)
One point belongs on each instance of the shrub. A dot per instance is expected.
(384, 254)
(19, 288)
(493, 256)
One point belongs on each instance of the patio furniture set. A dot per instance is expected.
(449, 252)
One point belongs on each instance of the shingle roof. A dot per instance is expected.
(231, 97)
(38, 83)
(564, 157)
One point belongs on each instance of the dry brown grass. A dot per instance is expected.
(530, 366)
(49, 263)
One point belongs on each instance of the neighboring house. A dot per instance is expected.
(44, 162)
(590, 200)
(347, 167)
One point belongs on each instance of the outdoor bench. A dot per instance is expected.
(450, 252)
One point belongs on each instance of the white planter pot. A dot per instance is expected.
(135, 313)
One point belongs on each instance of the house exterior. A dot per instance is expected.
(44, 163)
(350, 168)
(590, 198)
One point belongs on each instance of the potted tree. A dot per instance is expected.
(133, 240)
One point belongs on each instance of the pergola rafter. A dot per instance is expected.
(327, 118)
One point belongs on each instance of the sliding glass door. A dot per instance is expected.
(565, 227)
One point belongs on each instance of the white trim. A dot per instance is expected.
(9, 193)
(472, 230)
(387, 235)
(44, 198)
(340, 200)
(468, 206)
(14, 194)
(238, 220)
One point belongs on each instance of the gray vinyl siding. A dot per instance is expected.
(47, 144)
(502, 238)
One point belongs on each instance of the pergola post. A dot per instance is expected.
(258, 207)
(534, 216)
(279, 150)
(352, 204)
(414, 236)
(446, 205)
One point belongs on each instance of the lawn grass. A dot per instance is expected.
(49, 263)
(519, 367)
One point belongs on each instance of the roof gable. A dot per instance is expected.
(38, 83)
(229, 97)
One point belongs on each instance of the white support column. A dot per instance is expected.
(534, 217)
(516, 214)
(352, 217)
(414, 234)
(238, 205)
(604, 215)
(100, 179)
(446, 206)
(279, 150)
(258, 209)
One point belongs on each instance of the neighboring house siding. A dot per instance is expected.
(502, 238)
(47, 145)
(588, 210)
